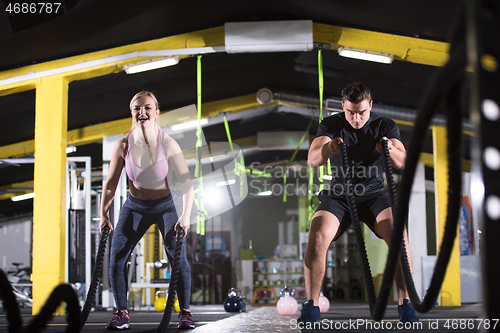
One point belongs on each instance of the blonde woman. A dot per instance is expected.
(146, 152)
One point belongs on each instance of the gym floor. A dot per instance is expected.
(343, 317)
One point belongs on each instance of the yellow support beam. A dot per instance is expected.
(17, 186)
(428, 160)
(416, 50)
(104, 62)
(450, 291)
(11, 190)
(49, 205)
(18, 149)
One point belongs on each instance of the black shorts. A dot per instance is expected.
(368, 208)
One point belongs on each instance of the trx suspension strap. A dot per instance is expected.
(321, 89)
(321, 86)
(239, 167)
(310, 192)
(306, 134)
(199, 250)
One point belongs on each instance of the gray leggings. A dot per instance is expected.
(136, 216)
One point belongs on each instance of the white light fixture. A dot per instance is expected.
(213, 158)
(70, 149)
(151, 64)
(23, 196)
(327, 177)
(226, 182)
(268, 36)
(189, 124)
(366, 55)
(265, 193)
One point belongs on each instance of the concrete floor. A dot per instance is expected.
(344, 317)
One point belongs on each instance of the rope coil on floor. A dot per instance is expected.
(62, 293)
(65, 293)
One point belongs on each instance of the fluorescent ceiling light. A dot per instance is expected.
(226, 182)
(268, 36)
(70, 149)
(189, 124)
(265, 193)
(366, 55)
(151, 64)
(327, 177)
(23, 196)
(111, 60)
(213, 158)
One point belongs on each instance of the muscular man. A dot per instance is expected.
(362, 131)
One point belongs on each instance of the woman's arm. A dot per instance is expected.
(178, 163)
(109, 188)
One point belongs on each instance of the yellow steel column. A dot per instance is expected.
(450, 291)
(49, 205)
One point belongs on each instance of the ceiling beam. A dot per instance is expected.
(416, 50)
(112, 60)
(94, 64)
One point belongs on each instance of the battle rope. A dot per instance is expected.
(63, 292)
(172, 288)
(96, 274)
(357, 228)
(446, 84)
(66, 293)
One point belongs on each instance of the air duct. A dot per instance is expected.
(334, 104)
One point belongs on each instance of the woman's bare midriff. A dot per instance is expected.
(147, 194)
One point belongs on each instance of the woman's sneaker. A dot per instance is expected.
(186, 319)
(309, 313)
(120, 321)
(407, 312)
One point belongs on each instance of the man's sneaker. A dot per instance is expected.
(309, 313)
(120, 321)
(407, 313)
(185, 319)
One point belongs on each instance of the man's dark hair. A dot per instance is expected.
(356, 92)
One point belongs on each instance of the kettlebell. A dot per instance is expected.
(232, 304)
(160, 302)
(235, 301)
(177, 308)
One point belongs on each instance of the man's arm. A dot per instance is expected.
(321, 149)
(397, 152)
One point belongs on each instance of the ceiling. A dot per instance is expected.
(92, 25)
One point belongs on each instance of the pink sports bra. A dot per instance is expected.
(152, 174)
